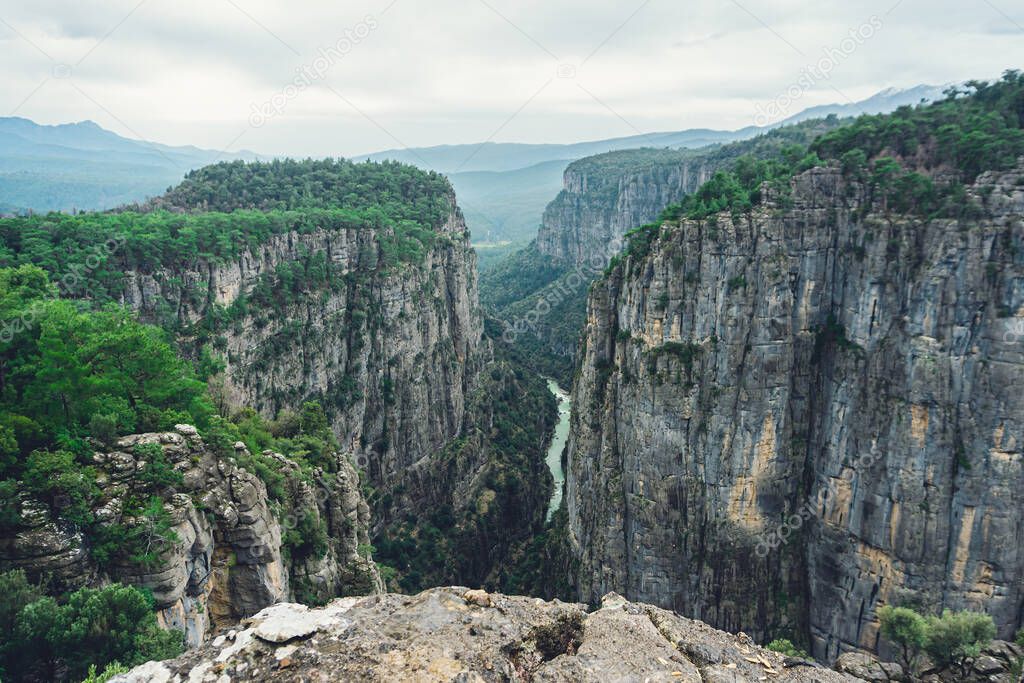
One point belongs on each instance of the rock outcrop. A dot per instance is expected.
(789, 418)
(608, 195)
(393, 350)
(221, 557)
(391, 354)
(455, 634)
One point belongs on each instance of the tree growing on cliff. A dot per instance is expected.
(956, 638)
(906, 629)
(43, 639)
(953, 639)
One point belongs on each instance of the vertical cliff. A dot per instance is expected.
(607, 195)
(540, 292)
(333, 307)
(789, 417)
(390, 352)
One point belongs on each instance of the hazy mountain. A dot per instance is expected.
(83, 166)
(501, 206)
(506, 156)
(504, 187)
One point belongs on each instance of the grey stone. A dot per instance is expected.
(832, 362)
(437, 636)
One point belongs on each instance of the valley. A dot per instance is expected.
(553, 459)
(744, 390)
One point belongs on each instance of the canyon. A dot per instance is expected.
(764, 389)
(788, 418)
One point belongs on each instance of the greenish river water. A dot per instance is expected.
(554, 456)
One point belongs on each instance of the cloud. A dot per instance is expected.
(458, 70)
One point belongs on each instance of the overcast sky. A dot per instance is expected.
(216, 73)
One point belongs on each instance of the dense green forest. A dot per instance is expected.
(916, 160)
(401, 192)
(215, 215)
(77, 371)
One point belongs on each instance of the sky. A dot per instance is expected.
(344, 77)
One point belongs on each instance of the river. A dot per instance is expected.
(554, 456)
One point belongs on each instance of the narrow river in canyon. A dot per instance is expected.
(554, 456)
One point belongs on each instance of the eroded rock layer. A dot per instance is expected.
(221, 557)
(788, 418)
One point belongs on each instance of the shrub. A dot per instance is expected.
(58, 479)
(47, 640)
(951, 640)
(956, 637)
(158, 471)
(786, 647)
(905, 628)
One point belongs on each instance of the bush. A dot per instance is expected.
(41, 639)
(905, 628)
(951, 640)
(158, 471)
(956, 637)
(786, 647)
(58, 479)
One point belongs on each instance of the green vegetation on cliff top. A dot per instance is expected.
(916, 160)
(221, 211)
(77, 370)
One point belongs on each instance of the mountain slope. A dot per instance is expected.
(505, 156)
(540, 292)
(502, 206)
(332, 308)
(494, 217)
(83, 166)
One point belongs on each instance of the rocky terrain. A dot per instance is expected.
(391, 355)
(223, 557)
(606, 196)
(787, 418)
(397, 357)
(540, 292)
(456, 634)
(437, 441)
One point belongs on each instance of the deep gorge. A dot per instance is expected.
(770, 386)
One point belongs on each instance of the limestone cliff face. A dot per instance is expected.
(222, 558)
(599, 205)
(607, 195)
(394, 353)
(391, 354)
(786, 420)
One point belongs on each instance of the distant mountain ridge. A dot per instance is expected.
(504, 187)
(507, 156)
(82, 166)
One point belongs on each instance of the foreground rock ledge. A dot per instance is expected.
(457, 634)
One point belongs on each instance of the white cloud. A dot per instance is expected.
(454, 71)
